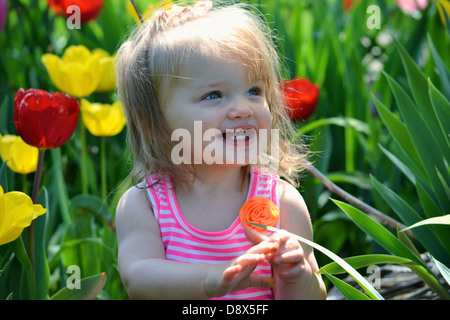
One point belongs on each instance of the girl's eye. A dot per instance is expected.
(254, 92)
(212, 96)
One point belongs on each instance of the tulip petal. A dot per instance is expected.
(18, 213)
(76, 54)
(103, 119)
(23, 158)
(46, 120)
(53, 64)
(2, 208)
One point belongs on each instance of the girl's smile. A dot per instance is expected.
(217, 92)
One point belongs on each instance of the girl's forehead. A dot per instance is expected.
(214, 65)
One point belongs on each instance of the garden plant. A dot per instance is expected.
(368, 86)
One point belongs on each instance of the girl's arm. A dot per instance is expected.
(146, 274)
(294, 263)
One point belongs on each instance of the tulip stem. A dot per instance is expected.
(37, 176)
(103, 166)
(84, 181)
(34, 198)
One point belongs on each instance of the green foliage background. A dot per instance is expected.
(352, 145)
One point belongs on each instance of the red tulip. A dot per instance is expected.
(45, 120)
(90, 9)
(347, 4)
(300, 97)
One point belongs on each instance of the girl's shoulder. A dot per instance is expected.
(133, 200)
(294, 212)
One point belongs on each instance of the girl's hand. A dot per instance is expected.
(288, 261)
(237, 274)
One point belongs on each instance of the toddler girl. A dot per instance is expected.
(200, 89)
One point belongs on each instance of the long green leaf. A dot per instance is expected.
(417, 82)
(368, 288)
(444, 270)
(356, 124)
(409, 216)
(21, 254)
(423, 140)
(444, 74)
(42, 271)
(388, 241)
(436, 220)
(89, 288)
(441, 107)
(365, 261)
(347, 290)
(377, 232)
(400, 134)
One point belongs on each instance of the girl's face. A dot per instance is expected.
(216, 110)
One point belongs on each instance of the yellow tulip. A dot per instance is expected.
(77, 73)
(108, 79)
(150, 8)
(446, 5)
(103, 119)
(22, 158)
(16, 213)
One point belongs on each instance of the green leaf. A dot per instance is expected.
(42, 271)
(365, 261)
(347, 290)
(441, 107)
(403, 237)
(409, 216)
(89, 288)
(368, 288)
(445, 271)
(418, 82)
(400, 134)
(356, 124)
(388, 241)
(424, 141)
(399, 164)
(444, 74)
(20, 252)
(436, 220)
(377, 232)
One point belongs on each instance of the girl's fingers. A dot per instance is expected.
(294, 256)
(260, 282)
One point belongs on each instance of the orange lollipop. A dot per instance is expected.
(259, 210)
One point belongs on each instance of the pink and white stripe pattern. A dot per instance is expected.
(185, 243)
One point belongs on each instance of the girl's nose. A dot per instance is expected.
(240, 109)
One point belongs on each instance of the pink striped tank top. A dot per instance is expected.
(185, 243)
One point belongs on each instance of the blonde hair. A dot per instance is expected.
(153, 55)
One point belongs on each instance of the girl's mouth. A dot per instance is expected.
(239, 136)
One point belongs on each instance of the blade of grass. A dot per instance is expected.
(410, 216)
(436, 220)
(347, 290)
(388, 241)
(444, 270)
(424, 141)
(90, 287)
(377, 232)
(368, 288)
(400, 134)
(365, 261)
(417, 82)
